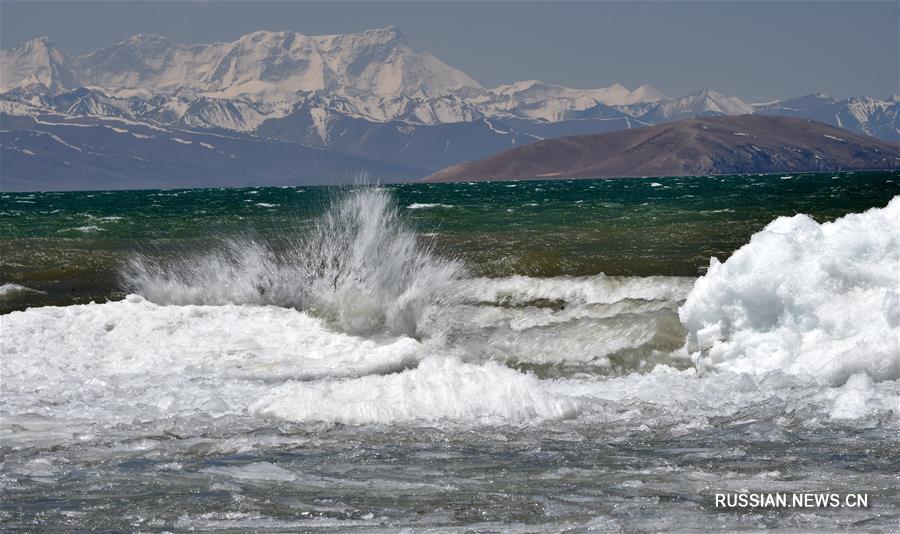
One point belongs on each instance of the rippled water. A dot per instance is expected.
(447, 356)
(71, 245)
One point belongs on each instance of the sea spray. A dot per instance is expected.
(360, 267)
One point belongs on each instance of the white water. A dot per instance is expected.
(361, 268)
(440, 388)
(10, 291)
(343, 326)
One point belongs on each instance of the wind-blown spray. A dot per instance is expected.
(360, 267)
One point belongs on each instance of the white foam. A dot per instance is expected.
(135, 359)
(262, 471)
(599, 289)
(681, 401)
(819, 300)
(248, 333)
(11, 291)
(422, 206)
(86, 369)
(855, 398)
(440, 388)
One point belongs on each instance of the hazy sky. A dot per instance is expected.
(754, 50)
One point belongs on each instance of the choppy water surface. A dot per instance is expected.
(70, 245)
(492, 357)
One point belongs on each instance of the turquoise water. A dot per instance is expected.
(70, 246)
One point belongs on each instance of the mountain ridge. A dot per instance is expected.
(744, 144)
(369, 95)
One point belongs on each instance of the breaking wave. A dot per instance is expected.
(802, 307)
(11, 291)
(438, 389)
(361, 268)
(598, 289)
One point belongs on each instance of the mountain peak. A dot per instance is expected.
(707, 93)
(387, 35)
(140, 37)
(38, 45)
(36, 61)
(274, 66)
(42, 40)
(145, 39)
(388, 31)
(648, 93)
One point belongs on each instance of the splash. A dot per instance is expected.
(360, 267)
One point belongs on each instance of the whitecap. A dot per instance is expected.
(422, 206)
(11, 291)
(521, 290)
(439, 389)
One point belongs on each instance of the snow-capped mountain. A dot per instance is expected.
(533, 99)
(871, 116)
(700, 104)
(262, 66)
(38, 62)
(368, 95)
(378, 74)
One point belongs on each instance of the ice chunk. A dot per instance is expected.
(811, 299)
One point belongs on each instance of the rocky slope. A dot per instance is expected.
(713, 145)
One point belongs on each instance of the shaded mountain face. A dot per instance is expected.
(369, 95)
(49, 151)
(871, 116)
(715, 145)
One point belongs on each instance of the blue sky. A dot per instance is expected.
(755, 50)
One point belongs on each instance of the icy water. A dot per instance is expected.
(531, 356)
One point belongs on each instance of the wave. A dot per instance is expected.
(422, 206)
(359, 322)
(361, 268)
(440, 388)
(190, 366)
(821, 300)
(176, 360)
(599, 289)
(613, 345)
(11, 291)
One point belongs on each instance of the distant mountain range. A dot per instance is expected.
(698, 146)
(379, 106)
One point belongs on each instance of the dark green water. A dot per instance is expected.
(70, 246)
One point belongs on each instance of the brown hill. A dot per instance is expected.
(713, 145)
